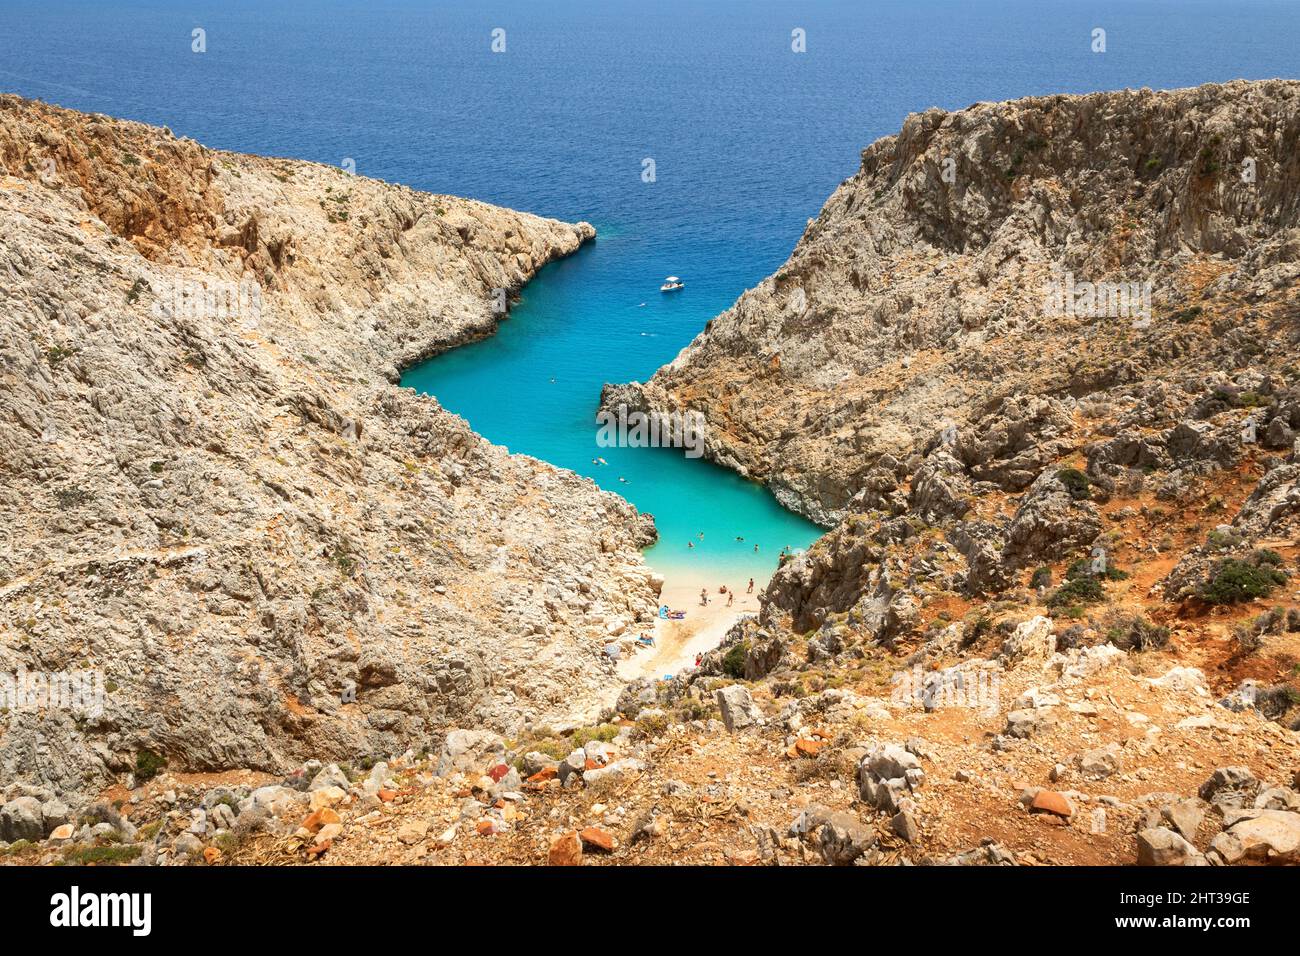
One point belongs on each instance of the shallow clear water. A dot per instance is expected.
(748, 139)
(534, 387)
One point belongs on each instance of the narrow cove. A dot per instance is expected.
(534, 386)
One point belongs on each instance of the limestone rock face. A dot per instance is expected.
(926, 299)
(214, 494)
(1009, 317)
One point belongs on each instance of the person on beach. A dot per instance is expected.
(750, 589)
(731, 596)
(704, 597)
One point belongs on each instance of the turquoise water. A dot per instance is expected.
(748, 138)
(535, 386)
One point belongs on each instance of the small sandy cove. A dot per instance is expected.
(703, 628)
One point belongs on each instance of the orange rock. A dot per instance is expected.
(590, 765)
(1049, 801)
(319, 849)
(386, 796)
(543, 775)
(485, 828)
(808, 748)
(566, 850)
(319, 818)
(211, 854)
(597, 838)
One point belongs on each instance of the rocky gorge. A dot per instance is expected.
(1054, 620)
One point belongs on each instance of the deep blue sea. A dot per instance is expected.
(748, 139)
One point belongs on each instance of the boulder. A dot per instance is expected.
(1232, 787)
(470, 752)
(840, 837)
(1049, 521)
(1025, 723)
(738, 708)
(1031, 640)
(1161, 847)
(1258, 836)
(886, 774)
(616, 773)
(1049, 801)
(331, 776)
(21, 819)
(1101, 762)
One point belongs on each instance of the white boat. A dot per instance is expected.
(672, 284)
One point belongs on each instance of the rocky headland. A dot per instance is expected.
(213, 493)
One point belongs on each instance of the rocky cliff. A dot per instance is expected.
(1036, 364)
(926, 296)
(213, 494)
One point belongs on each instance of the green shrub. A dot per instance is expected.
(1076, 483)
(975, 628)
(652, 725)
(1042, 578)
(1267, 556)
(1221, 540)
(1083, 569)
(101, 855)
(148, 765)
(1078, 591)
(1138, 634)
(585, 735)
(137, 287)
(1186, 315)
(56, 354)
(733, 662)
(1239, 581)
(1208, 165)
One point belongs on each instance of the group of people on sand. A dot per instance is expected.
(723, 589)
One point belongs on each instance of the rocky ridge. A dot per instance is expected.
(214, 496)
(916, 304)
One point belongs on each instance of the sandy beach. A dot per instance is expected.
(703, 628)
